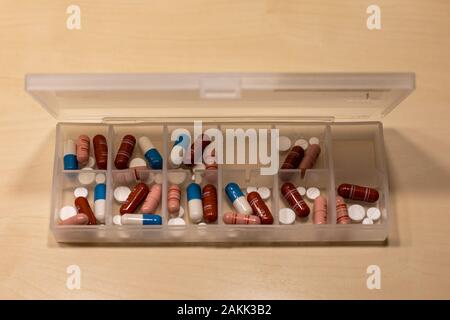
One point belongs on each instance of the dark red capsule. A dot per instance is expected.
(295, 200)
(125, 151)
(209, 200)
(360, 193)
(294, 158)
(259, 207)
(101, 151)
(83, 206)
(197, 149)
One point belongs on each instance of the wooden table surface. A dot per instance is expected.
(207, 36)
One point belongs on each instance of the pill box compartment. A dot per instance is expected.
(342, 110)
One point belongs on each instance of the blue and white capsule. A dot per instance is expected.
(195, 205)
(238, 199)
(140, 219)
(150, 153)
(70, 155)
(100, 197)
(179, 149)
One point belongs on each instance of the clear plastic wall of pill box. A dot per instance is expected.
(343, 110)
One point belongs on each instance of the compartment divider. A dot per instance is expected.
(331, 203)
(164, 211)
(276, 192)
(109, 191)
(220, 186)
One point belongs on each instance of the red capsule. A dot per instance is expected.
(83, 206)
(125, 151)
(354, 192)
(173, 199)
(211, 167)
(341, 211)
(320, 210)
(294, 158)
(239, 218)
(209, 200)
(83, 147)
(101, 151)
(259, 207)
(310, 158)
(136, 197)
(197, 149)
(295, 200)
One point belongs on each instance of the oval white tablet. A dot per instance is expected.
(302, 143)
(137, 163)
(264, 192)
(284, 143)
(81, 192)
(85, 177)
(373, 213)
(176, 222)
(314, 140)
(286, 216)
(302, 191)
(121, 193)
(67, 212)
(356, 212)
(176, 177)
(367, 221)
(100, 178)
(251, 189)
(117, 220)
(312, 193)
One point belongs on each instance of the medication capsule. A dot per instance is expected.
(179, 149)
(209, 157)
(260, 208)
(310, 158)
(150, 153)
(70, 157)
(153, 198)
(194, 196)
(320, 210)
(293, 158)
(100, 202)
(101, 151)
(209, 200)
(354, 192)
(341, 211)
(125, 151)
(141, 219)
(236, 197)
(78, 219)
(135, 198)
(294, 200)
(82, 205)
(173, 198)
(197, 148)
(238, 218)
(83, 147)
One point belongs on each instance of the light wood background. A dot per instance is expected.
(228, 35)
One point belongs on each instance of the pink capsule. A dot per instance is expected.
(78, 219)
(151, 203)
(341, 211)
(173, 198)
(83, 147)
(310, 158)
(320, 210)
(211, 167)
(239, 218)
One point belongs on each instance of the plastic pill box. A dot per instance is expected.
(342, 110)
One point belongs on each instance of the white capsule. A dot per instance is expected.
(70, 147)
(373, 213)
(284, 143)
(356, 212)
(286, 216)
(99, 210)
(121, 193)
(302, 191)
(302, 143)
(137, 163)
(264, 193)
(195, 210)
(81, 192)
(312, 193)
(85, 177)
(314, 140)
(67, 212)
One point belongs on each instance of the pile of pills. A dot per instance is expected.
(303, 153)
(77, 155)
(356, 213)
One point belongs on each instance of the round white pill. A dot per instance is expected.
(158, 178)
(176, 222)
(181, 212)
(312, 193)
(202, 224)
(302, 191)
(137, 162)
(286, 216)
(67, 212)
(356, 212)
(373, 213)
(367, 221)
(86, 176)
(264, 192)
(284, 143)
(302, 143)
(81, 192)
(121, 193)
(90, 163)
(251, 189)
(117, 220)
(177, 177)
(100, 178)
(314, 140)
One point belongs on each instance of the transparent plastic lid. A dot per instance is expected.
(321, 96)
